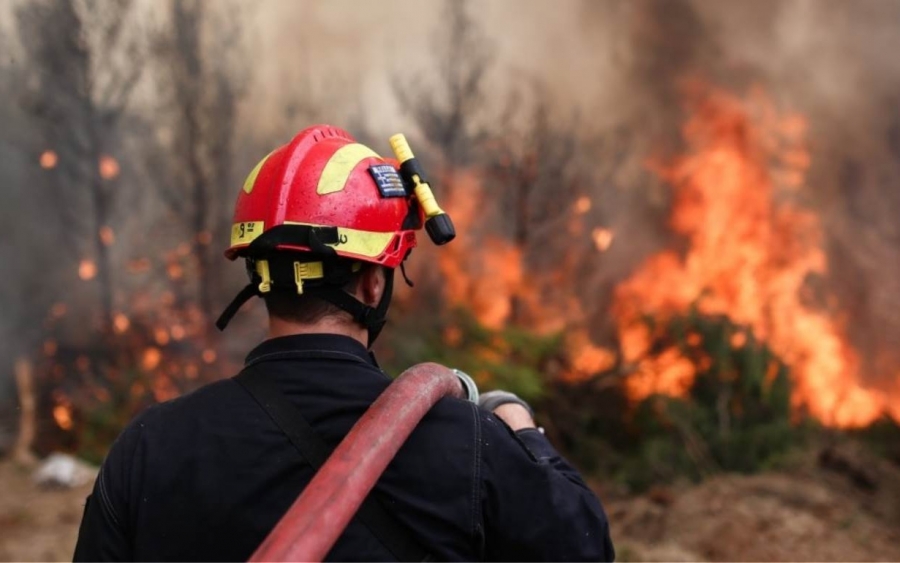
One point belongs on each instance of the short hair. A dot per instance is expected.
(307, 308)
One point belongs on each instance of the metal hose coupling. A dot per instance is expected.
(468, 384)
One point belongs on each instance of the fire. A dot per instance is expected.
(108, 167)
(151, 358)
(120, 323)
(174, 271)
(603, 238)
(62, 414)
(87, 269)
(161, 336)
(49, 160)
(751, 250)
(582, 205)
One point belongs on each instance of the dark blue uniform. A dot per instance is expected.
(207, 475)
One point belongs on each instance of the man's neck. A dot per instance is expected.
(328, 325)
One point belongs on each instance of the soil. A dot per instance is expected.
(819, 511)
(37, 523)
(835, 505)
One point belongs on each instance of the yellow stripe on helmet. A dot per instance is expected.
(337, 171)
(251, 178)
(370, 244)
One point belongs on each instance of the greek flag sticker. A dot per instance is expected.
(388, 181)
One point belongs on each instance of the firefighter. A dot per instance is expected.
(322, 224)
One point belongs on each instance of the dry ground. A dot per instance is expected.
(37, 524)
(848, 510)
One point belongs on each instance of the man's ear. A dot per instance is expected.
(371, 285)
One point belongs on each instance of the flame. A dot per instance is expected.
(151, 358)
(161, 336)
(582, 205)
(62, 414)
(120, 323)
(587, 358)
(87, 269)
(62, 410)
(178, 332)
(751, 251)
(209, 356)
(603, 238)
(108, 167)
(49, 160)
(174, 271)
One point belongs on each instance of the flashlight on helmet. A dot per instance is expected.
(437, 223)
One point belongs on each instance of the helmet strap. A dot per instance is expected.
(372, 319)
(250, 290)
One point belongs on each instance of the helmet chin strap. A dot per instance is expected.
(372, 319)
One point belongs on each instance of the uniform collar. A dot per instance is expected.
(310, 343)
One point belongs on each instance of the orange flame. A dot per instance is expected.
(49, 160)
(108, 167)
(751, 250)
(87, 269)
(603, 238)
(120, 323)
(62, 414)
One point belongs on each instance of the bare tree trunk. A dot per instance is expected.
(22, 453)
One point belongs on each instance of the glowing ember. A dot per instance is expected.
(50, 347)
(161, 336)
(151, 358)
(204, 237)
(109, 167)
(174, 271)
(603, 238)
(58, 310)
(178, 332)
(49, 160)
(87, 269)
(120, 323)
(209, 356)
(582, 205)
(62, 414)
(751, 250)
(107, 237)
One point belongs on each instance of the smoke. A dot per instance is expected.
(612, 73)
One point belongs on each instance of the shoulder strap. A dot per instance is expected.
(393, 535)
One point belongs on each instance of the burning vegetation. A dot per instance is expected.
(666, 289)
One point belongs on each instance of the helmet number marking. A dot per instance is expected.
(245, 231)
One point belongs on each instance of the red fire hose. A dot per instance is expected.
(317, 518)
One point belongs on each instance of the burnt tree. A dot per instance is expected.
(200, 105)
(84, 62)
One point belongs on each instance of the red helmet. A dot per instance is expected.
(324, 178)
(312, 210)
